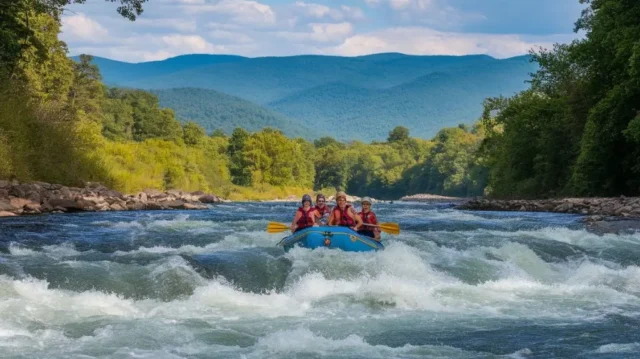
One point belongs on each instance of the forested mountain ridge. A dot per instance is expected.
(379, 92)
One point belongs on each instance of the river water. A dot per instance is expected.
(213, 284)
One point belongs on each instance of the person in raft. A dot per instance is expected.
(322, 210)
(343, 214)
(305, 216)
(368, 217)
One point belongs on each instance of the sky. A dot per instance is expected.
(255, 28)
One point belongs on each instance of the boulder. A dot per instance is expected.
(208, 199)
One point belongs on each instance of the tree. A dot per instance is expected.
(398, 134)
(193, 133)
(238, 163)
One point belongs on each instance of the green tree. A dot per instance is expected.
(193, 133)
(398, 134)
(238, 163)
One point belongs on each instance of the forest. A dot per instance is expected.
(574, 131)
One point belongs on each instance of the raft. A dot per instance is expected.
(332, 237)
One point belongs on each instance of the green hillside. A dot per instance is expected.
(117, 73)
(215, 110)
(424, 105)
(266, 79)
(345, 97)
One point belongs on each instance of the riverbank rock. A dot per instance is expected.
(40, 197)
(426, 197)
(628, 207)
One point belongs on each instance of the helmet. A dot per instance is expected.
(341, 194)
(366, 199)
(320, 195)
(305, 198)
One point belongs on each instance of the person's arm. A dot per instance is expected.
(376, 230)
(331, 218)
(357, 219)
(294, 223)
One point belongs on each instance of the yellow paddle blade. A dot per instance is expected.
(387, 227)
(275, 227)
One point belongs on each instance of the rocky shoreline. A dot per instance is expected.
(604, 207)
(425, 197)
(40, 197)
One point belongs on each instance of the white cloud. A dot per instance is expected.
(184, 25)
(318, 11)
(354, 13)
(399, 4)
(313, 10)
(423, 41)
(240, 11)
(189, 44)
(320, 32)
(79, 27)
(233, 37)
(373, 3)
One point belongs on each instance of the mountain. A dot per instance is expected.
(118, 73)
(424, 105)
(348, 98)
(266, 79)
(215, 110)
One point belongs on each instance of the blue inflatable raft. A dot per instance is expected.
(331, 237)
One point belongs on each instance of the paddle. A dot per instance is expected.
(391, 228)
(275, 227)
(387, 227)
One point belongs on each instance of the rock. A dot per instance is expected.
(208, 199)
(4, 193)
(5, 205)
(7, 214)
(176, 204)
(117, 207)
(33, 208)
(19, 202)
(142, 196)
(5, 184)
(64, 204)
(153, 206)
(135, 206)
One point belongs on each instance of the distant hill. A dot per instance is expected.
(423, 105)
(347, 97)
(118, 73)
(215, 110)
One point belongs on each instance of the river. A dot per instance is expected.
(213, 284)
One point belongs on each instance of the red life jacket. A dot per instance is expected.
(368, 218)
(345, 220)
(306, 220)
(322, 210)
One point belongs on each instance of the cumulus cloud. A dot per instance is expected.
(80, 27)
(319, 11)
(320, 32)
(238, 11)
(423, 41)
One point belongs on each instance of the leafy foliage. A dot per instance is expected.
(350, 98)
(574, 132)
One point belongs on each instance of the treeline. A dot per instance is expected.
(576, 130)
(59, 123)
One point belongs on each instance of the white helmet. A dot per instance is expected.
(366, 199)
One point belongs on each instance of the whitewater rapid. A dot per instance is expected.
(213, 284)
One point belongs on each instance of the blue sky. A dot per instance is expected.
(499, 28)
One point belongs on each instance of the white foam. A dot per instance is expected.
(619, 348)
